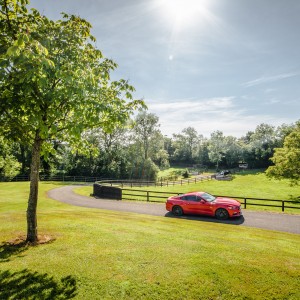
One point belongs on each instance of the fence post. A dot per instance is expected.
(245, 203)
(282, 208)
(181, 182)
(147, 196)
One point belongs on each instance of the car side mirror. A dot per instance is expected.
(202, 201)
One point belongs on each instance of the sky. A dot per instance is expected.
(225, 65)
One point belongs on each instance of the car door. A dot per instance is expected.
(205, 207)
(193, 204)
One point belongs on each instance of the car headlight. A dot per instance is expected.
(233, 207)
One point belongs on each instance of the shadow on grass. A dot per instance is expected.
(19, 245)
(8, 250)
(26, 284)
(233, 221)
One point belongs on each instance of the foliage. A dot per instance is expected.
(234, 151)
(185, 145)
(186, 174)
(9, 165)
(144, 169)
(287, 158)
(145, 131)
(54, 84)
(171, 173)
(216, 148)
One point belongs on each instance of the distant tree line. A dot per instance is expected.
(139, 150)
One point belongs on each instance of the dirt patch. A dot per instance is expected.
(21, 240)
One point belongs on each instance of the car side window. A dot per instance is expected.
(194, 198)
(190, 198)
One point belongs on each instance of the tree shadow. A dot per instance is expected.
(233, 221)
(20, 245)
(9, 249)
(26, 284)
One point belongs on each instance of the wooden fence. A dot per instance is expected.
(61, 177)
(154, 196)
(161, 182)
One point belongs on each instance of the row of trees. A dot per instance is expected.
(138, 150)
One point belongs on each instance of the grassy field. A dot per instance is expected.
(99, 254)
(247, 184)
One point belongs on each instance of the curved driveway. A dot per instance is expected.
(265, 220)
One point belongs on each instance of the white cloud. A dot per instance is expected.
(267, 79)
(191, 105)
(209, 115)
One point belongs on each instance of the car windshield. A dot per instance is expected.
(208, 197)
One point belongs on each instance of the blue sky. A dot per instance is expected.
(226, 65)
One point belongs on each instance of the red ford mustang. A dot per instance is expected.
(204, 204)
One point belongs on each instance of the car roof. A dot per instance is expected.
(194, 193)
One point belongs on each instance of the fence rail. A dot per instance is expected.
(141, 183)
(105, 181)
(62, 178)
(153, 196)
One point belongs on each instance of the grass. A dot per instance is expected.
(243, 185)
(101, 254)
(246, 185)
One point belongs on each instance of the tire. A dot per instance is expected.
(222, 214)
(177, 211)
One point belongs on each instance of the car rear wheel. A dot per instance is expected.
(177, 211)
(222, 214)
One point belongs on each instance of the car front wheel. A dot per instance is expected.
(222, 214)
(177, 211)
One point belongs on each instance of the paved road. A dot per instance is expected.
(265, 220)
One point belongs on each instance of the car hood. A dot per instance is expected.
(226, 201)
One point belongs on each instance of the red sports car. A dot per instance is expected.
(204, 204)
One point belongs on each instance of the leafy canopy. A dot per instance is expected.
(287, 158)
(54, 82)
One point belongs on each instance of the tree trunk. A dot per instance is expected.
(33, 195)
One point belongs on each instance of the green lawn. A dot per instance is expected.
(100, 254)
(246, 185)
(243, 185)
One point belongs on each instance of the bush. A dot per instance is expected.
(186, 174)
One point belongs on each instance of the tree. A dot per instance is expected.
(146, 143)
(217, 148)
(54, 84)
(145, 127)
(262, 144)
(287, 159)
(233, 151)
(186, 144)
